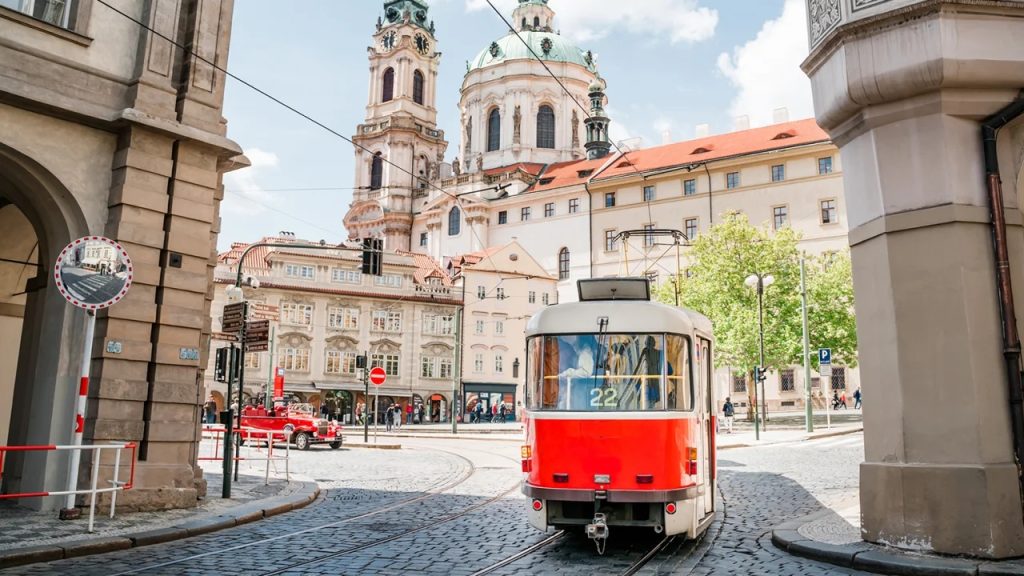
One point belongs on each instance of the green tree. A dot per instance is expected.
(831, 312)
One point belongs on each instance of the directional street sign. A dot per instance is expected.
(257, 336)
(378, 376)
(264, 312)
(257, 347)
(224, 337)
(233, 317)
(825, 356)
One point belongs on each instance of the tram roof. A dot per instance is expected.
(624, 316)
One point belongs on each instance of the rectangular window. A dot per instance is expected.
(479, 327)
(481, 292)
(787, 381)
(824, 166)
(503, 217)
(296, 314)
(524, 213)
(574, 205)
(390, 280)
(423, 238)
(478, 363)
(499, 293)
(780, 217)
(549, 209)
(739, 383)
(544, 299)
(732, 180)
(56, 12)
(648, 193)
(336, 317)
(690, 228)
(427, 367)
(300, 271)
(252, 360)
(778, 173)
(689, 187)
(438, 324)
(499, 364)
(532, 297)
(346, 276)
(609, 200)
(828, 212)
(389, 362)
(648, 235)
(332, 362)
(838, 378)
(499, 328)
(386, 321)
(610, 245)
(294, 359)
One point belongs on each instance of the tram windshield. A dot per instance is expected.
(610, 372)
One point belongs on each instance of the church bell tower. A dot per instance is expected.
(400, 134)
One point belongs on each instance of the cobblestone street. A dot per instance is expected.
(452, 506)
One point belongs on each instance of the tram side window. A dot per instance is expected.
(678, 380)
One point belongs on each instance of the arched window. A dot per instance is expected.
(454, 221)
(494, 130)
(546, 127)
(389, 85)
(563, 264)
(376, 172)
(417, 87)
(524, 22)
(536, 22)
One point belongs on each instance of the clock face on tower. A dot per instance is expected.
(422, 44)
(389, 40)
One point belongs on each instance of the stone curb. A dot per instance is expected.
(813, 436)
(879, 559)
(307, 493)
(373, 446)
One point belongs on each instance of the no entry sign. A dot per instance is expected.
(378, 376)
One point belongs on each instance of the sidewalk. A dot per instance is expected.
(28, 536)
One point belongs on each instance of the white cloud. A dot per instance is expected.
(245, 196)
(586, 20)
(766, 70)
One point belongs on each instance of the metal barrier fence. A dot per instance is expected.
(116, 484)
(267, 437)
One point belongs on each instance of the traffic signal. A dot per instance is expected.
(373, 256)
(222, 363)
(361, 361)
(759, 374)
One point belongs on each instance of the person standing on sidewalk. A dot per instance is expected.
(389, 417)
(856, 399)
(729, 411)
(211, 410)
(408, 413)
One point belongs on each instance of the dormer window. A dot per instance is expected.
(701, 150)
(784, 135)
(584, 173)
(546, 181)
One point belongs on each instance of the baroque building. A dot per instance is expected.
(536, 168)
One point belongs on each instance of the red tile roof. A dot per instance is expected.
(564, 174)
(778, 136)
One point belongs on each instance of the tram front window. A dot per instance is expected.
(592, 372)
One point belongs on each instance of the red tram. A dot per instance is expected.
(620, 418)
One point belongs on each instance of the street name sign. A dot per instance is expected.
(378, 376)
(264, 312)
(232, 318)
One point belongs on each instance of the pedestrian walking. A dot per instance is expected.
(502, 412)
(842, 400)
(856, 399)
(389, 418)
(398, 416)
(478, 412)
(325, 412)
(835, 400)
(421, 413)
(210, 409)
(729, 412)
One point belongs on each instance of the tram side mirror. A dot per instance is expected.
(94, 273)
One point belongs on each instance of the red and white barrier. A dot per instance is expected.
(117, 484)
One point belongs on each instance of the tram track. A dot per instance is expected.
(432, 492)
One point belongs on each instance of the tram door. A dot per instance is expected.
(705, 368)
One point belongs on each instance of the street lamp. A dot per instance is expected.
(759, 282)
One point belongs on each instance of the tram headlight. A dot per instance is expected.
(526, 452)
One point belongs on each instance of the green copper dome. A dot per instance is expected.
(549, 46)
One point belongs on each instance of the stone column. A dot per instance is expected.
(902, 86)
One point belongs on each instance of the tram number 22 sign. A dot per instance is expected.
(603, 398)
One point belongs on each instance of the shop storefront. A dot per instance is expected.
(489, 397)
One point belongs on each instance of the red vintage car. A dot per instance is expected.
(295, 423)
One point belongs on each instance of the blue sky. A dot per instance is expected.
(670, 65)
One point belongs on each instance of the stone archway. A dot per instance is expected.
(38, 373)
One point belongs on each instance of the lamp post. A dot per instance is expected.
(759, 282)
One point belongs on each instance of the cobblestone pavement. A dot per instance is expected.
(481, 519)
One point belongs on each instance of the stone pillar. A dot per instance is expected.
(902, 86)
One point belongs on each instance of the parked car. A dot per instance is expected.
(294, 423)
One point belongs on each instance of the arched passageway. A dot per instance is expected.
(41, 335)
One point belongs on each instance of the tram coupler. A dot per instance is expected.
(598, 531)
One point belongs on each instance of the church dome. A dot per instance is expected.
(549, 46)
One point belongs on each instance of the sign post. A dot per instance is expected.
(92, 273)
(377, 377)
(825, 369)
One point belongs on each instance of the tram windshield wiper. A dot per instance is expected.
(599, 358)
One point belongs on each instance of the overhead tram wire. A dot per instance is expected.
(586, 113)
(289, 107)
